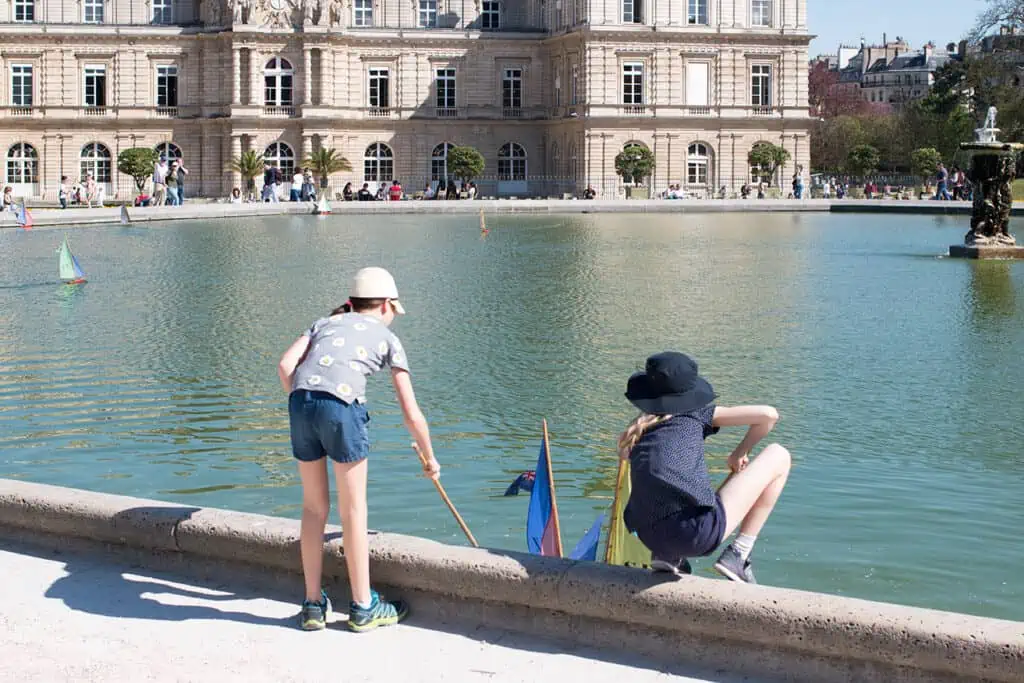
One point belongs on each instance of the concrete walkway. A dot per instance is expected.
(71, 617)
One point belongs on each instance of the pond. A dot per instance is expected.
(895, 371)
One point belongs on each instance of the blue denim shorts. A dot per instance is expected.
(686, 534)
(324, 425)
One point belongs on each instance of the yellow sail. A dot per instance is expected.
(623, 547)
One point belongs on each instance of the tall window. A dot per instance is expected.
(168, 150)
(697, 12)
(761, 85)
(163, 11)
(24, 10)
(439, 162)
(21, 85)
(22, 164)
(697, 91)
(446, 88)
(95, 160)
(512, 89)
(427, 16)
(378, 163)
(490, 15)
(379, 93)
(281, 155)
(556, 160)
(697, 164)
(760, 12)
(574, 84)
(92, 11)
(167, 85)
(512, 162)
(95, 85)
(632, 12)
(633, 83)
(277, 83)
(363, 13)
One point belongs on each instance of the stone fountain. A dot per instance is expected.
(993, 170)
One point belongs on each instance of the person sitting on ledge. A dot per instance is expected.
(589, 193)
(672, 507)
(324, 372)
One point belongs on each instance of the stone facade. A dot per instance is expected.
(548, 90)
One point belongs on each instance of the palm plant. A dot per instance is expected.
(249, 165)
(324, 162)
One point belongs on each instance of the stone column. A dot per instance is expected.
(307, 76)
(255, 91)
(307, 146)
(236, 152)
(236, 76)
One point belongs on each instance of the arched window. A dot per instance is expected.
(760, 173)
(629, 180)
(698, 164)
(22, 164)
(556, 160)
(277, 83)
(439, 162)
(168, 150)
(95, 160)
(281, 155)
(378, 163)
(511, 162)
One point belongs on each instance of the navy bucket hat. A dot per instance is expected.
(669, 385)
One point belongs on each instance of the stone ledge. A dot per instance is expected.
(987, 252)
(715, 622)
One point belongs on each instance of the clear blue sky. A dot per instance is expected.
(918, 21)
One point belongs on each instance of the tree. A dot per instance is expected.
(998, 13)
(832, 140)
(635, 163)
(465, 163)
(249, 165)
(325, 162)
(137, 162)
(768, 157)
(924, 162)
(863, 159)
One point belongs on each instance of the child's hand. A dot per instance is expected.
(738, 462)
(432, 469)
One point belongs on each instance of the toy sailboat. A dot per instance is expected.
(483, 224)
(125, 218)
(323, 207)
(70, 272)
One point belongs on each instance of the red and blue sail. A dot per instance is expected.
(541, 516)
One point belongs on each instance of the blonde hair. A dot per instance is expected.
(635, 430)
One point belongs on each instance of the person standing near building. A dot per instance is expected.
(942, 176)
(182, 172)
(160, 182)
(296, 190)
(62, 192)
(171, 181)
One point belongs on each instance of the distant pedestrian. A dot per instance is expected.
(172, 184)
(395, 191)
(295, 193)
(62, 192)
(942, 176)
(159, 182)
(347, 194)
(324, 373)
(182, 172)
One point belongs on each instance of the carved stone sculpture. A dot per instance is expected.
(992, 174)
(210, 13)
(336, 12)
(310, 12)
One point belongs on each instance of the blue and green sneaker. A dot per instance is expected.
(380, 613)
(313, 616)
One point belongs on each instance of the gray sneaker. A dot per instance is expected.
(733, 567)
(679, 567)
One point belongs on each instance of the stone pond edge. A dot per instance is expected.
(854, 634)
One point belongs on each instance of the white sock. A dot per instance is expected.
(744, 545)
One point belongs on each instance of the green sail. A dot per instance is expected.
(69, 269)
(623, 547)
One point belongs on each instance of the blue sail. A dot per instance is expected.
(77, 268)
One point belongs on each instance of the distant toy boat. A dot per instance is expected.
(125, 218)
(70, 272)
(323, 207)
(483, 224)
(22, 215)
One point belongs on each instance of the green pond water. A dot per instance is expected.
(896, 372)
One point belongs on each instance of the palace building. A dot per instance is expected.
(549, 91)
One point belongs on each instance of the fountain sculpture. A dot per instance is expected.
(993, 170)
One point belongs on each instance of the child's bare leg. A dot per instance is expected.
(748, 498)
(316, 504)
(351, 482)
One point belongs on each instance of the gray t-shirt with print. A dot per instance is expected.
(343, 351)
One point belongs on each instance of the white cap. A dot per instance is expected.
(375, 283)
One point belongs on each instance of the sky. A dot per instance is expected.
(918, 21)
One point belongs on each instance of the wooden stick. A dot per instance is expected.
(615, 506)
(447, 500)
(551, 489)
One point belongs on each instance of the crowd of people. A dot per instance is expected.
(394, 192)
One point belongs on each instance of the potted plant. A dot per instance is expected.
(324, 162)
(769, 158)
(465, 163)
(137, 162)
(249, 166)
(925, 162)
(635, 164)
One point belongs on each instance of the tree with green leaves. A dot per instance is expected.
(249, 166)
(465, 163)
(862, 160)
(325, 162)
(924, 163)
(769, 158)
(832, 139)
(137, 162)
(634, 164)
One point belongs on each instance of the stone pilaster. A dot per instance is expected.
(236, 76)
(307, 76)
(236, 152)
(255, 72)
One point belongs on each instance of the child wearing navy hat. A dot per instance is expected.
(673, 508)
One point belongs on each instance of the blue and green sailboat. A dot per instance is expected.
(70, 272)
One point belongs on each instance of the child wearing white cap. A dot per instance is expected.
(324, 371)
